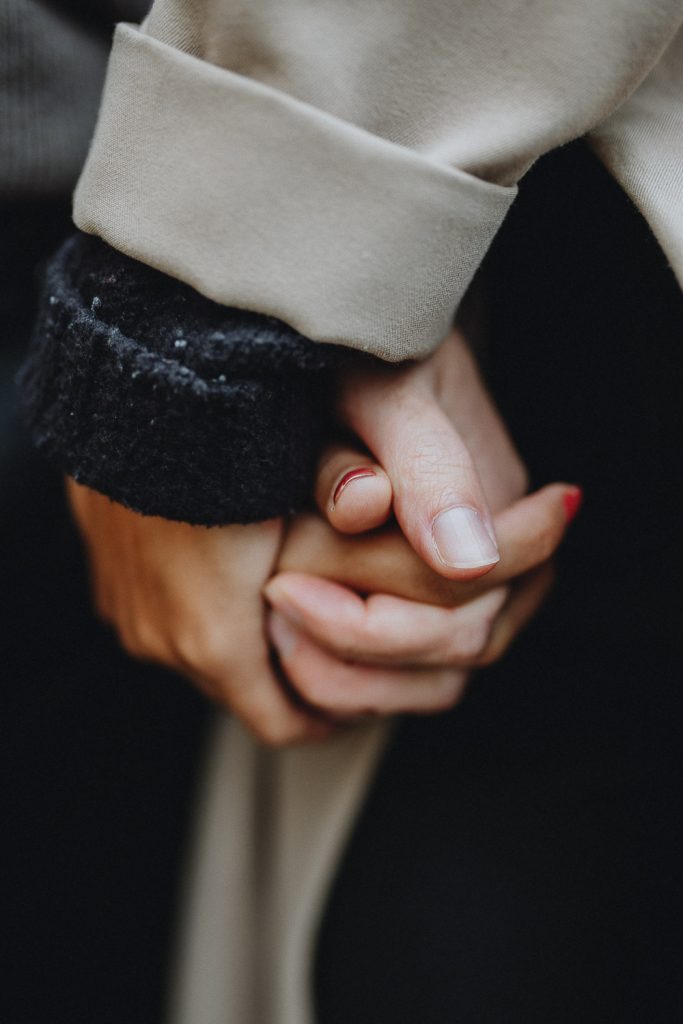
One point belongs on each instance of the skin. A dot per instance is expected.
(385, 654)
(435, 433)
(192, 598)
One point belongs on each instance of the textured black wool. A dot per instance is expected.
(169, 403)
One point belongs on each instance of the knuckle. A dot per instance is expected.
(201, 649)
(147, 640)
(427, 457)
(436, 463)
(184, 649)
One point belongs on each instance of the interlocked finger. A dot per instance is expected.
(349, 690)
(384, 629)
(529, 531)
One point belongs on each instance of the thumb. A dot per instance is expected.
(438, 499)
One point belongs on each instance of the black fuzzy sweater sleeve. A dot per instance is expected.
(143, 389)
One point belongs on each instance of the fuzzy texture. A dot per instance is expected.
(175, 406)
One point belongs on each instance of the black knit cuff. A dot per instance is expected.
(175, 406)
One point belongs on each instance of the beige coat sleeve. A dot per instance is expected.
(642, 145)
(344, 164)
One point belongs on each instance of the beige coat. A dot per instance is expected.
(344, 164)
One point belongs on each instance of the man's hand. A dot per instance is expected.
(434, 432)
(190, 598)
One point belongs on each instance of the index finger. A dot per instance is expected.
(529, 532)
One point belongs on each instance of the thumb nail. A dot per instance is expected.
(462, 540)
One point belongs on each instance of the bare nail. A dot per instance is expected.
(462, 540)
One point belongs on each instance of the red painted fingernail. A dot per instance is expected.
(572, 502)
(353, 474)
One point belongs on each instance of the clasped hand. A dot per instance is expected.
(363, 620)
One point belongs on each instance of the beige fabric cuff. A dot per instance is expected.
(263, 202)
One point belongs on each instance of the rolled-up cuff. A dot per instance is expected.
(263, 202)
(167, 403)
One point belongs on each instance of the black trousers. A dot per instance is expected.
(517, 860)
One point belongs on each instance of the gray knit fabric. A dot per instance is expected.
(169, 403)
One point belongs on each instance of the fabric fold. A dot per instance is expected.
(271, 828)
(651, 122)
(263, 202)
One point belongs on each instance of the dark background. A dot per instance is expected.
(525, 854)
(519, 860)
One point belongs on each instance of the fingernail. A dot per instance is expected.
(462, 540)
(353, 474)
(572, 502)
(279, 598)
(282, 635)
